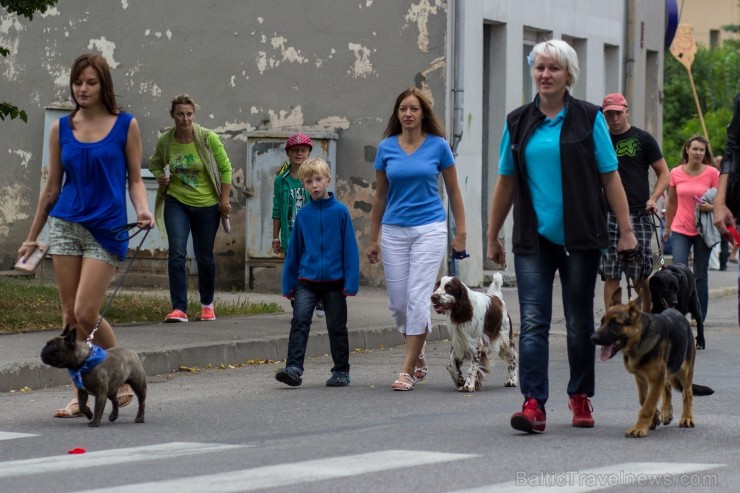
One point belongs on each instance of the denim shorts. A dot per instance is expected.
(72, 239)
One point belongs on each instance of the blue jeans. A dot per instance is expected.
(180, 220)
(534, 277)
(681, 246)
(307, 295)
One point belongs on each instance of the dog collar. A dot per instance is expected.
(97, 355)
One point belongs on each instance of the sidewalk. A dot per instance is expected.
(165, 348)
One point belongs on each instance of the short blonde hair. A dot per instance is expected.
(313, 166)
(182, 99)
(563, 53)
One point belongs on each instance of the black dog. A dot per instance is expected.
(673, 287)
(97, 372)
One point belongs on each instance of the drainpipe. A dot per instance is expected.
(630, 11)
(458, 114)
(458, 51)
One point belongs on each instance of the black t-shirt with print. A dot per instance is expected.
(636, 150)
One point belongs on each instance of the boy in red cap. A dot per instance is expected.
(289, 195)
(288, 192)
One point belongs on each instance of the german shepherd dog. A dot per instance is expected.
(659, 351)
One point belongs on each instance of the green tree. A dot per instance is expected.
(716, 72)
(25, 8)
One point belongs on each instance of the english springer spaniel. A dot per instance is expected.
(480, 324)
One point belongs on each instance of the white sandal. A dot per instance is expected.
(404, 382)
(420, 372)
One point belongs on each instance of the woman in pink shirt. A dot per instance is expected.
(688, 183)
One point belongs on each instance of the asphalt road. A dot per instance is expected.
(240, 430)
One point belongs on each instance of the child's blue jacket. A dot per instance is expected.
(323, 247)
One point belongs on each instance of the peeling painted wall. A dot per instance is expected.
(320, 66)
(260, 65)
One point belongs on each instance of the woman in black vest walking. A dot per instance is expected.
(556, 165)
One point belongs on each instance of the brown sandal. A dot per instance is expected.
(404, 382)
(125, 395)
(71, 410)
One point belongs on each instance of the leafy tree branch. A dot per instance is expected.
(27, 9)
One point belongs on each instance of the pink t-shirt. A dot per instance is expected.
(687, 186)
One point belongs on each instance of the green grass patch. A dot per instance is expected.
(28, 305)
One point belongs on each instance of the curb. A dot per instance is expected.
(36, 375)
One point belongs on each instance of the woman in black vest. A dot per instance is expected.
(556, 165)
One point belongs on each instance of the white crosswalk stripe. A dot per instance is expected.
(618, 475)
(107, 457)
(6, 435)
(660, 474)
(290, 474)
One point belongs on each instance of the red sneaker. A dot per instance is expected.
(176, 316)
(531, 419)
(582, 408)
(207, 314)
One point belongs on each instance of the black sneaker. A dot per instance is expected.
(338, 379)
(320, 310)
(289, 376)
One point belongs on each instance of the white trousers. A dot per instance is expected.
(411, 260)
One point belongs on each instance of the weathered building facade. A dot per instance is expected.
(261, 70)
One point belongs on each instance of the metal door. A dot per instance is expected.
(265, 157)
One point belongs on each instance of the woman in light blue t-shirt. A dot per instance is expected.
(408, 210)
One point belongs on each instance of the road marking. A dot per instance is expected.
(107, 457)
(6, 435)
(290, 474)
(601, 478)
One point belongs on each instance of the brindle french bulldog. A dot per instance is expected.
(102, 380)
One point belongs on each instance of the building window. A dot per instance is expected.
(713, 38)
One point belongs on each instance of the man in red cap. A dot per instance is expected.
(637, 152)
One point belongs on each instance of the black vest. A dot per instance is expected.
(584, 213)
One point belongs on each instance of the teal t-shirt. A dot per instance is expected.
(296, 200)
(544, 178)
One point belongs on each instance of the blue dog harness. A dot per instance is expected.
(97, 355)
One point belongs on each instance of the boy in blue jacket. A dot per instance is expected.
(322, 264)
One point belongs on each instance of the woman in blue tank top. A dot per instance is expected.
(93, 154)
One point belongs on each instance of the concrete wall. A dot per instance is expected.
(319, 66)
(278, 65)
